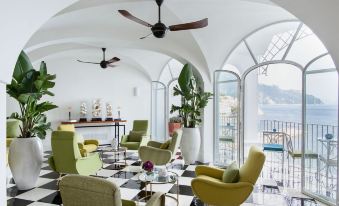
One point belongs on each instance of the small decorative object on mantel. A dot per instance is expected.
(69, 113)
(96, 110)
(119, 113)
(109, 112)
(83, 112)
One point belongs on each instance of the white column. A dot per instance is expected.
(251, 110)
(3, 199)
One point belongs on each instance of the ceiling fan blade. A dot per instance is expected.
(87, 62)
(192, 25)
(114, 59)
(133, 18)
(144, 37)
(111, 65)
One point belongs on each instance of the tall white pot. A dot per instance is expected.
(190, 144)
(25, 160)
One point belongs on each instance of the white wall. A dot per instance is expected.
(2, 144)
(77, 82)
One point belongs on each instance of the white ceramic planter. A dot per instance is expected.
(190, 144)
(25, 160)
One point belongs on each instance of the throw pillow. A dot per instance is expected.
(231, 174)
(166, 144)
(79, 138)
(135, 136)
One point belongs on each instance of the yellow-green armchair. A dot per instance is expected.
(209, 187)
(158, 155)
(85, 146)
(137, 136)
(79, 190)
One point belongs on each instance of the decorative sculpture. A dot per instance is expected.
(83, 112)
(109, 112)
(96, 110)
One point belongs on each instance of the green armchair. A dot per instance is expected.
(12, 130)
(137, 137)
(66, 157)
(85, 146)
(158, 156)
(79, 190)
(209, 187)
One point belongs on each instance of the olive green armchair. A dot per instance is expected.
(137, 136)
(12, 130)
(154, 152)
(209, 187)
(79, 190)
(66, 157)
(85, 146)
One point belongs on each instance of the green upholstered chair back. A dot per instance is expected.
(12, 128)
(79, 190)
(176, 139)
(251, 169)
(66, 127)
(140, 125)
(65, 151)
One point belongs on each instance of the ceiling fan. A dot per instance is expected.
(159, 29)
(104, 64)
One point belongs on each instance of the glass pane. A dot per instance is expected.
(306, 49)
(227, 113)
(241, 58)
(273, 119)
(325, 62)
(267, 44)
(321, 134)
(175, 66)
(158, 111)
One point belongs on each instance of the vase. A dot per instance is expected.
(149, 176)
(114, 144)
(25, 160)
(172, 127)
(190, 144)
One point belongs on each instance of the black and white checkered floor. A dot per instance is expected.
(266, 192)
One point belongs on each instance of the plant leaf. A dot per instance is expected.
(22, 66)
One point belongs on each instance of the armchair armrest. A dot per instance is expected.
(128, 203)
(154, 144)
(144, 140)
(209, 171)
(89, 165)
(215, 192)
(92, 141)
(124, 138)
(156, 155)
(157, 199)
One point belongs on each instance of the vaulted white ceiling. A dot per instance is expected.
(81, 29)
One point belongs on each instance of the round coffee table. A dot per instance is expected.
(171, 178)
(118, 151)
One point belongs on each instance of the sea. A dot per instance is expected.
(321, 114)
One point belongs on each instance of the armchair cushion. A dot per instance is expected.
(231, 174)
(90, 147)
(131, 145)
(165, 145)
(136, 136)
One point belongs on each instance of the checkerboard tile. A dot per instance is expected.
(266, 192)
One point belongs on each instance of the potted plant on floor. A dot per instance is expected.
(193, 101)
(174, 124)
(27, 87)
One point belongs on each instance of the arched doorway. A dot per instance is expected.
(294, 44)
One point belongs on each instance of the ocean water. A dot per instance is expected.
(315, 114)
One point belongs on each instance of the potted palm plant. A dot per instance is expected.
(194, 99)
(27, 87)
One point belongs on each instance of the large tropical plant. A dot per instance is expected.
(28, 86)
(194, 99)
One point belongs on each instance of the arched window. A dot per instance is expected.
(284, 70)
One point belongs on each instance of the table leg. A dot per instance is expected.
(125, 155)
(178, 190)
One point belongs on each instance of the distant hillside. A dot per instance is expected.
(274, 95)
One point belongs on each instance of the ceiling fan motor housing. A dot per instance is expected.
(103, 64)
(159, 30)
